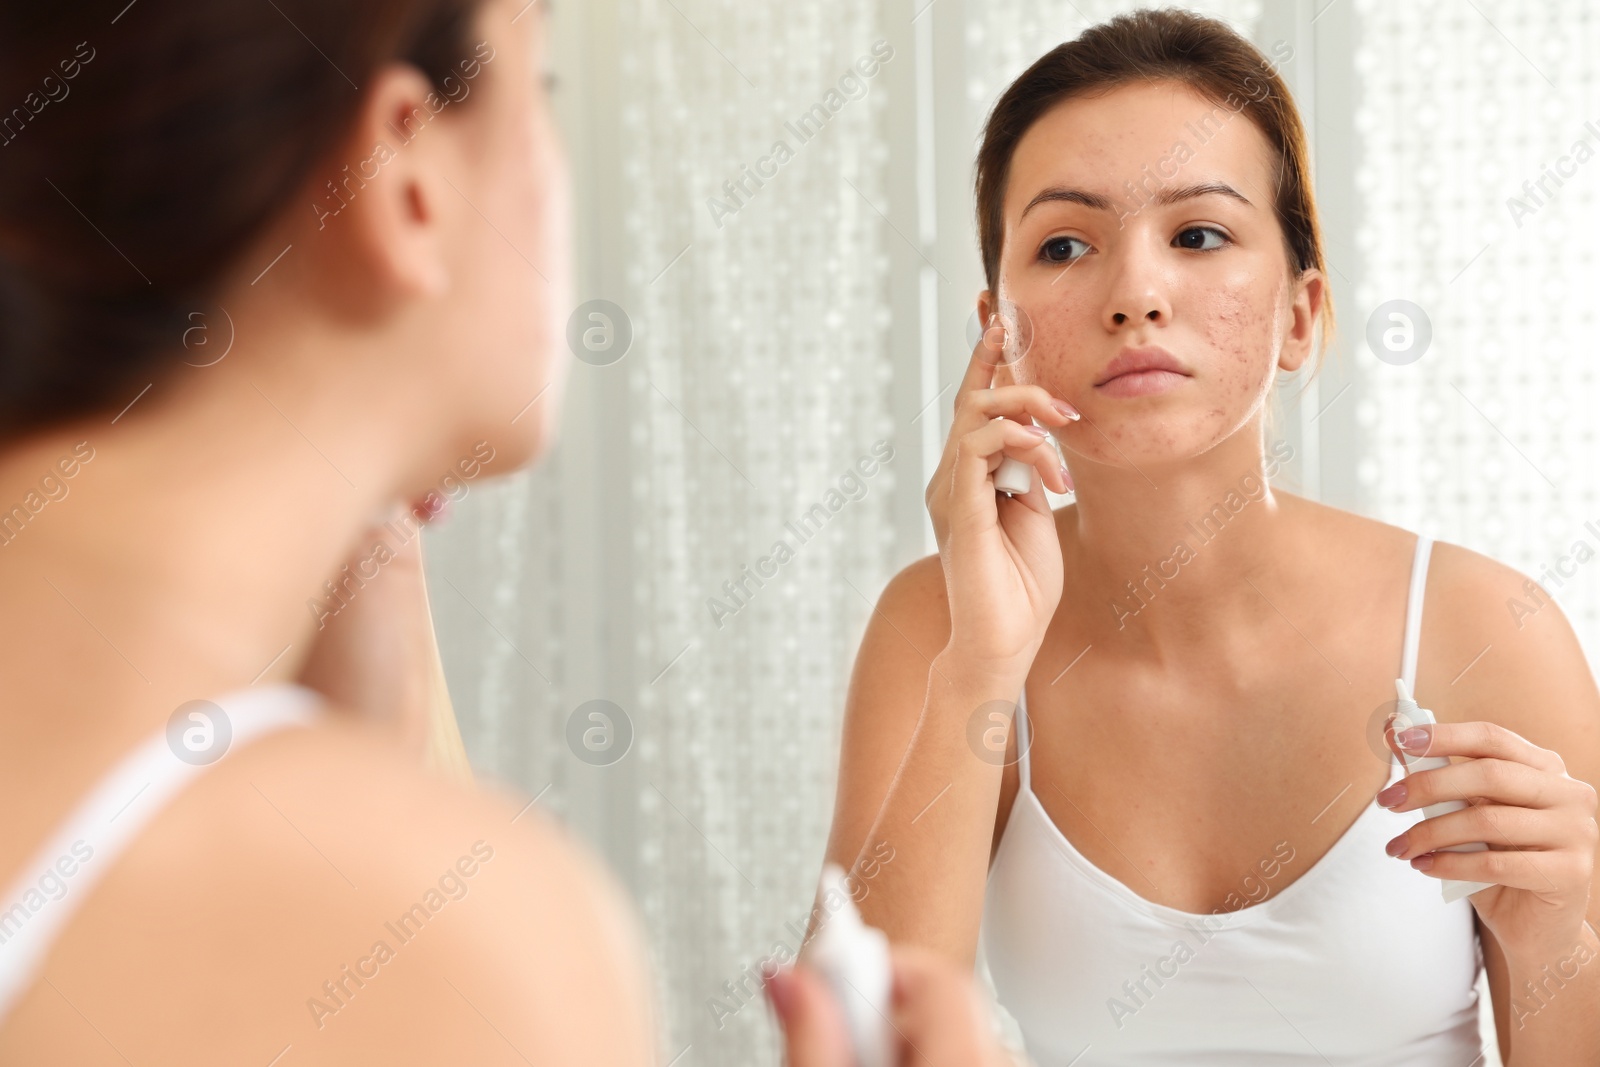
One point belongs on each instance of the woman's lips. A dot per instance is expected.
(1141, 370)
(1141, 383)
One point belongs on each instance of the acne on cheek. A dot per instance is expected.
(1051, 359)
(1239, 327)
(1235, 325)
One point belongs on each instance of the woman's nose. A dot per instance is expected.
(1154, 314)
(1138, 290)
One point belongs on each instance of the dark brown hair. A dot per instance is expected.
(1164, 44)
(142, 148)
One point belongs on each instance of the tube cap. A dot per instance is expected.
(1013, 476)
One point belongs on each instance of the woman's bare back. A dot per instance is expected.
(239, 925)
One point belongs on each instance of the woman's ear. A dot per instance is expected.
(985, 307)
(1003, 374)
(1310, 290)
(387, 209)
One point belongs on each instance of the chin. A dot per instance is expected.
(531, 444)
(519, 444)
(1154, 434)
(522, 416)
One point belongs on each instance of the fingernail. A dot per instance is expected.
(1414, 739)
(1067, 477)
(431, 509)
(1039, 430)
(995, 336)
(781, 993)
(1423, 862)
(1394, 796)
(1397, 846)
(1066, 409)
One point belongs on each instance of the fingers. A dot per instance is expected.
(974, 449)
(938, 1019)
(1498, 825)
(1480, 739)
(977, 402)
(813, 1024)
(1539, 872)
(1010, 401)
(980, 368)
(431, 508)
(977, 454)
(938, 1014)
(1499, 780)
(1538, 825)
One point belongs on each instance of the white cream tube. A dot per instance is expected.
(1013, 475)
(1408, 713)
(854, 959)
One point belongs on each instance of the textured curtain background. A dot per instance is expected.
(758, 534)
(1477, 137)
(1487, 436)
(624, 638)
(702, 552)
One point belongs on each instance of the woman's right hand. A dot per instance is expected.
(937, 1016)
(1001, 555)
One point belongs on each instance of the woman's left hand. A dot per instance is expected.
(1538, 821)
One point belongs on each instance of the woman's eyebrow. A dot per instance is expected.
(1161, 197)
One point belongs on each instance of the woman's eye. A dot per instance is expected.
(1194, 239)
(1059, 249)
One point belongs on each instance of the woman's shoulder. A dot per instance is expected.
(1497, 647)
(916, 602)
(1468, 578)
(907, 627)
(317, 890)
(1476, 603)
(1473, 602)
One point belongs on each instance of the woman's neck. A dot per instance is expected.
(177, 558)
(1150, 551)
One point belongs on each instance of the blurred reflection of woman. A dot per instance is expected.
(267, 269)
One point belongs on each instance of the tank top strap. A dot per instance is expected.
(1023, 782)
(1413, 632)
(42, 898)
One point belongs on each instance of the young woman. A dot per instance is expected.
(1134, 747)
(267, 269)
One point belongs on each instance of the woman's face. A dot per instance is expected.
(1143, 218)
(510, 285)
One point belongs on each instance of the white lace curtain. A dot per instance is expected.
(796, 313)
(1480, 130)
(706, 544)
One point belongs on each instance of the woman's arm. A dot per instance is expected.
(1512, 687)
(915, 809)
(937, 678)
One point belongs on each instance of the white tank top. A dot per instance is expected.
(1357, 961)
(39, 903)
